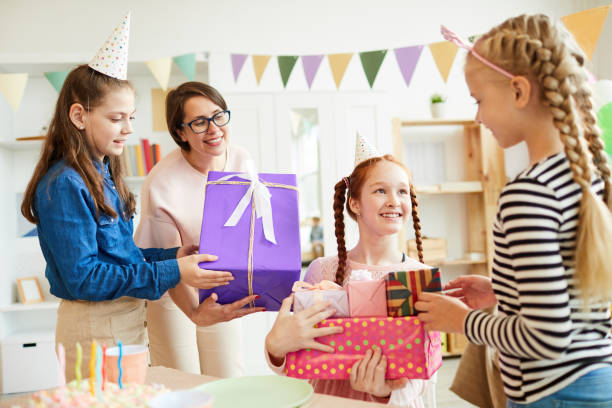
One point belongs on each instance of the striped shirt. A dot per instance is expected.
(544, 337)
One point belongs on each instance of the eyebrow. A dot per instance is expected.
(122, 113)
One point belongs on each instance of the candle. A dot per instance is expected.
(99, 372)
(103, 366)
(61, 359)
(79, 359)
(92, 367)
(119, 364)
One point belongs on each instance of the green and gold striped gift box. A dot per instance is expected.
(403, 288)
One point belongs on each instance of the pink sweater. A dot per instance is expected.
(325, 269)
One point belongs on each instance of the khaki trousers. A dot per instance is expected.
(107, 322)
(175, 342)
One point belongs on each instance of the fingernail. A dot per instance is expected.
(264, 309)
(257, 297)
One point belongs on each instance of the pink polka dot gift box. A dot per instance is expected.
(411, 351)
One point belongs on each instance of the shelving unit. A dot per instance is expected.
(20, 307)
(484, 172)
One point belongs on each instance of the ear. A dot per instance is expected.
(354, 205)
(521, 87)
(181, 132)
(78, 115)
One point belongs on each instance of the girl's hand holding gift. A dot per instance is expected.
(293, 332)
(475, 291)
(441, 312)
(192, 275)
(368, 375)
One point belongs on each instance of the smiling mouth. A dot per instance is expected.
(213, 141)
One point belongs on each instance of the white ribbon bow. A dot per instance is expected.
(261, 200)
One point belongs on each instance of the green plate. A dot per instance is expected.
(271, 391)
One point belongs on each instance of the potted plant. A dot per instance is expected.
(438, 103)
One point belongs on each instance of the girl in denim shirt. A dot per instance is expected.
(83, 212)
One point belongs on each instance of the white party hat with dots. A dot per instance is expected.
(112, 57)
(364, 150)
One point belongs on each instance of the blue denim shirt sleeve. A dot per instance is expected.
(91, 258)
(159, 254)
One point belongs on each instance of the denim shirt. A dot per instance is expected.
(95, 258)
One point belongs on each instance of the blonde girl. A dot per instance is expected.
(552, 269)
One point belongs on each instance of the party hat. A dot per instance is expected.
(364, 150)
(111, 58)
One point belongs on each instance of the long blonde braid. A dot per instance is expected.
(542, 50)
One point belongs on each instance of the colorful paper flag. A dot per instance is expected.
(160, 68)
(187, 64)
(286, 63)
(407, 58)
(338, 64)
(12, 86)
(586, 27)
(238, 61)
(604, 121)
(57, 78)
(371, 62)
(443, 53)
(311, 64)
(260, 62)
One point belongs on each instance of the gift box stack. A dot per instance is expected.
(373, 313)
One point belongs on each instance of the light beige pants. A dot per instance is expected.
(106, 322)
(175, 342)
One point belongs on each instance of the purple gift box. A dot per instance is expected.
(274, 266)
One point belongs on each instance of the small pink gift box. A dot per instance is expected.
(411, 351)
(367, 298)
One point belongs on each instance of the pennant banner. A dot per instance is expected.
(57, 79)
(238, 61)
(160, 68)
(12, 87)
(586, 27)
(286, 63)
(371, 62)
(260, 62)
(443, 53)
(311, 64)
(338, 64)
(407, 58)
(187, 64)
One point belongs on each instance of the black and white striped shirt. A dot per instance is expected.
(544, 337)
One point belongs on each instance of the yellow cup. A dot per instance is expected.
(133, 364)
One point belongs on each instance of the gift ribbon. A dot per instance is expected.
(301, 286)
(259, 194)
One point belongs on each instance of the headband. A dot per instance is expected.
(455, 39)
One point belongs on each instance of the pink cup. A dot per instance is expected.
(133, 364)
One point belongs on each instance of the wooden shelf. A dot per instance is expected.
(24, 145)
(447, 354)
(454, 187)
(438, 122)
(20, 307)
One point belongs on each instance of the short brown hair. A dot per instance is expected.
(175, 104)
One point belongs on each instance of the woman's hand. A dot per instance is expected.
(368, 375)
(192, 275)
(440, 312)
(292, 332)
(210, 312)
(475, 291)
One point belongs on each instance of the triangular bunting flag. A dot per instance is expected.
(260, 62)
(443, 53)
(238, 61)
(407, 58)
(338, 64)
(187, 64)
(160, 68)
(311, 64)
(371, 62)
(12, 87)
(586, 27)
(57, 78)
(286, 63)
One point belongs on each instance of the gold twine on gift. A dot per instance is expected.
(252, 229)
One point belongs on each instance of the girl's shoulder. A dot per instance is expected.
(323, 268)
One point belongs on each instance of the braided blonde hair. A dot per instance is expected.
(543, 51)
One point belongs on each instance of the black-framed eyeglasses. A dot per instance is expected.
(201, 124)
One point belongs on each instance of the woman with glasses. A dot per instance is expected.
(172, 204)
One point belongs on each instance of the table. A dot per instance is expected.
(179, 380)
